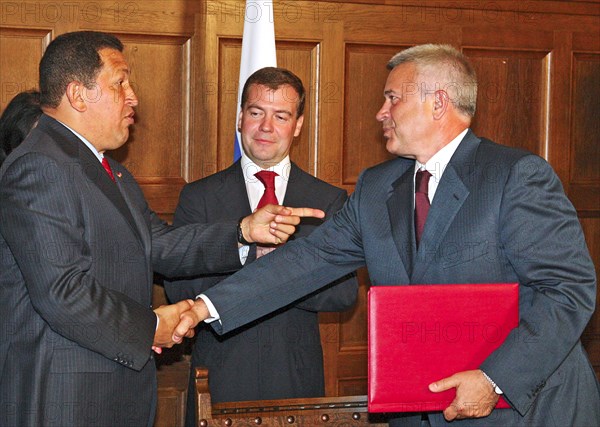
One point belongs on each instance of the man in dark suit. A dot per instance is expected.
(78, 246)
(496, 214)
(279, 356)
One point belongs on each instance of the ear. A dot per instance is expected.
(76, 96)
(298, 125)
(441, 101)
(239, 124)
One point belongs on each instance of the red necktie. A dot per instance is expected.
(421, 201)
(108, 169)
(268, 180)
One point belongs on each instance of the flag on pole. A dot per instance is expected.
(258, 50)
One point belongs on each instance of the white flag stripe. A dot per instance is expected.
(258, 49)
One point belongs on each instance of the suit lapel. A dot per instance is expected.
(295, 196)
(449, 197)
(298, 194)
(400, 210)
(139, 221)
(233, 196)
(89, 165)
(98, 176)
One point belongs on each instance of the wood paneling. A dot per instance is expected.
(22, 74)
(585, 125)
(591, 336)
(512, 89)
(538, 63)
(584, 183)
(366, 73)
(160, 137)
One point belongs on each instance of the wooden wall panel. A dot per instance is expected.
(584, 182)
(583, 185)
(160, 137)
(366, 73)
(19, 72)
(591, 336)
(512, 98)
(586, 112)
(159, 132)
(353, 336)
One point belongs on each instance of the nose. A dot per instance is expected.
(266, 125)
(131, 97)
(383, 112)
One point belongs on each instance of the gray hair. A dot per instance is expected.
(451, 69)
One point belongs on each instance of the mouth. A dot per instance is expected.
(129, 118)
(388, 129)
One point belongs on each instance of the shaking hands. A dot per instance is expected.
(177, 321)
(169, 317)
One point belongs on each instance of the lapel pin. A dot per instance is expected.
(119, 174)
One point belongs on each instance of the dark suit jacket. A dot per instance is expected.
(499, 215)
(278, 356)
(77, 254)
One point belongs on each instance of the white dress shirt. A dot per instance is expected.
(255, 189)
(438, 162)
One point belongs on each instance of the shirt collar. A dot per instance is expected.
(438, 162)
(87, 143)
(249, 168)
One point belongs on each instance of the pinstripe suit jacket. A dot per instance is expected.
(77, 255)
(498, 215)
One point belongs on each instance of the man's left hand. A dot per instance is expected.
(475, 396)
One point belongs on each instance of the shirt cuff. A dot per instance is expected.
(497, 389)
(212, 311)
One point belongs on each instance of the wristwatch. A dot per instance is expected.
(240, 234)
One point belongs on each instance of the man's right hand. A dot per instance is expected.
(169, 319)
(274, 224)
(190, 318)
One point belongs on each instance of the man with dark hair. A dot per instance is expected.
(279, 356)
(78, 246)
(74, 57)
(451, 208)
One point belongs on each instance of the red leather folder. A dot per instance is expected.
(419, 334)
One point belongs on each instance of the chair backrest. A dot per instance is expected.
(349, 411)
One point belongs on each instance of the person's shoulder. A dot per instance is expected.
(489, 149)
(495, 157)
(315, 184)
(227, 176)
(36, 145)
(388, 170)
